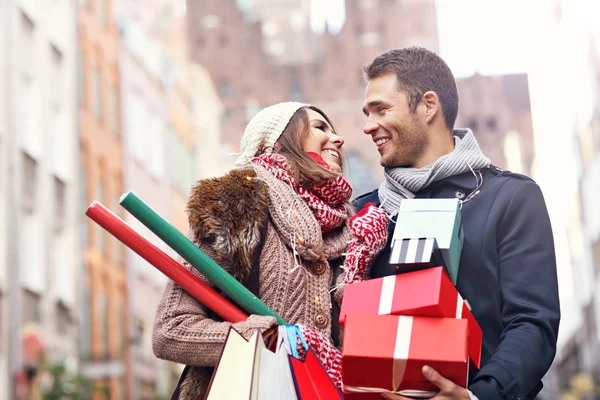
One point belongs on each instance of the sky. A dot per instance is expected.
(484, 35)
(488, 36)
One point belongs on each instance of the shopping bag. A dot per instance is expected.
(275, 380)
(310, 377)
(248, 370)
(236, 371)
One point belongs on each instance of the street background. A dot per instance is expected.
(99, 97)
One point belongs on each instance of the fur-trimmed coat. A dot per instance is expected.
(248, 217)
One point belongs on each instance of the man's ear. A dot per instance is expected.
(432, 105)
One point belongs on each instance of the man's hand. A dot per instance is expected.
(448, 389)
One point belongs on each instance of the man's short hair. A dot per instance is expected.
(417, 71)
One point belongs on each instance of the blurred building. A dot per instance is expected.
(564, 89)
(183, 143)
(40, 185)
(5, 94)
(286, 29)
(171, 121)
(104, 300)
(498, 110)
(207, 110)
(145, 122)
(579, 358)
(251, 52)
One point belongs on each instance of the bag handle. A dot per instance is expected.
(289, 334)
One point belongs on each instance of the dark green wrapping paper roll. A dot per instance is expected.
(195, 256)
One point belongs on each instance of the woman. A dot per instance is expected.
(279, 223)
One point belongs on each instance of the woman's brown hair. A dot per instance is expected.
(290, 145)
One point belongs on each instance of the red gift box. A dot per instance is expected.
(386, 353)
(425, 293)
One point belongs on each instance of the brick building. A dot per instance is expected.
(498, 110)
(251, 72)
(104, 329)
(228, 41)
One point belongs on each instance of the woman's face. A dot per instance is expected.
(322, 140)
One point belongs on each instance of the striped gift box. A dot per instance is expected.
(415, 254)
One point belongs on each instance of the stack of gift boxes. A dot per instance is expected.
(395, 325)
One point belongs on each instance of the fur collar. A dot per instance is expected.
(231, 214)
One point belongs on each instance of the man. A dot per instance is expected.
(507, 268)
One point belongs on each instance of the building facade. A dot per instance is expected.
(145, 117)
(104, 300)
(227, 39)
(498, 110)
(39, 165)
(5, 49)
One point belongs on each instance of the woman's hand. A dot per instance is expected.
(369, 227)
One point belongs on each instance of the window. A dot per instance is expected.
(596, 256)
(121, 334)
(31, 306)
(182, 161)
(117, 247)
(102, 11)
(100, 233)
(62, 263)
(32, 245)
(33, 252)
(102, 308)
(56, 81)
(83, 200)
(62, 318)
(85, 340)
(136, 124)
(30, 182)
(58, 140)
(157, 146)
(80, 78)
(60, 206)
(113, 110)
(473, 126)
(27, 45)
(28, 110)
(224, 88)
(97, 93)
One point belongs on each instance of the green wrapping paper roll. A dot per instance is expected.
(195, 256)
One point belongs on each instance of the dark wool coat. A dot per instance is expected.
(507, 273)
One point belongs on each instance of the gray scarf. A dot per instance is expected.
(401, 183)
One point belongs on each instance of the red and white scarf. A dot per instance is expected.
(326, 199)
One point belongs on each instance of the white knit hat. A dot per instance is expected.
(265, 128)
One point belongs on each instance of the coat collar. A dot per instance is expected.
(466, 181)
(229, 213)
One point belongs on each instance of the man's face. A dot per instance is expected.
(401, 138)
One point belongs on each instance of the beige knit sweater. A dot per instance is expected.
(227, 209)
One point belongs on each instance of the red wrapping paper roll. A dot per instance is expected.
(165, 264)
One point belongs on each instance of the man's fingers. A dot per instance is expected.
(391, 396)
(434, 377)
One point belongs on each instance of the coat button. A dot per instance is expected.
(321, 320)
(319, 268)
(459, 194)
